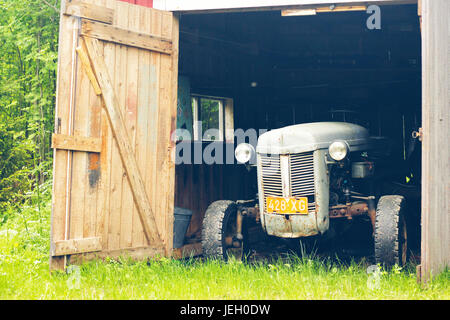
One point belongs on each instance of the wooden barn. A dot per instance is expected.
(132, 72)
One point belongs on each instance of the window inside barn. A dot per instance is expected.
(209, 117)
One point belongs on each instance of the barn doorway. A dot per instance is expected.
(266, 71)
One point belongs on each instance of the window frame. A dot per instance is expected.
(226, 121)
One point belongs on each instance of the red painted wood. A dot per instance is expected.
(145, 3)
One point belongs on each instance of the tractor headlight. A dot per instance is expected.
(338, 150)
(244, 152)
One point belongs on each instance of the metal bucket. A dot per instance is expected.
(180, 226)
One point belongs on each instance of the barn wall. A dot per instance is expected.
(197, 186)
(193, 6)
(145, 3)
(436, 132)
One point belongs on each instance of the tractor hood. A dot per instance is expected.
(312, 136)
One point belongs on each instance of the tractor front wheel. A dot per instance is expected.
(220, 236)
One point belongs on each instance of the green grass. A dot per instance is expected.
(24, 274)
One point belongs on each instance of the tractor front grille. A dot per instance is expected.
(301, 175)
(271, 175)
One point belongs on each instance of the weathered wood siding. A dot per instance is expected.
(97, 195)
(199, 185)
(191, 6)
(436, 134)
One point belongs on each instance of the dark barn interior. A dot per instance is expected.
(281, 71)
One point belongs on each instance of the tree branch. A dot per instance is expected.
(50, 5)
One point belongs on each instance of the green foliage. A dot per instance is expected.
(28, 60)
(209, 109)
(24, 274)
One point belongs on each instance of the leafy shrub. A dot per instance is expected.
(28, 60)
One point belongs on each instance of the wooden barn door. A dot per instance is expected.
(435, 252)
(113, 189)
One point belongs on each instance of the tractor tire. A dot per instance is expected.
(219, 225)
(390, 234)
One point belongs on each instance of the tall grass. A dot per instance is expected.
(24, 274)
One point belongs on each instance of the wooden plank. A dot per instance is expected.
(111, 165)
(161, 121)
(341, 8)
(105, 180)
(154, 109)
(123, 142)
(76, 143)
(82, 192)
(229, 120)
(79, 174)
(141, 253)
(175, 30)
(126, 37)
(166, 125)
(88, 11)
(118, 56)
(298, 12)
(104, 162)
(62, 120)
(94, 169)
(435, 249)
(129, 109)
(75, 246)
(187, 251)
(88, 69)
(314, 11)
(144, 73)
(194, 6)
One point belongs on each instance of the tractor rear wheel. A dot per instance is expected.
(391, 238)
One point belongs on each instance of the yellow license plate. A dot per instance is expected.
(287, 205)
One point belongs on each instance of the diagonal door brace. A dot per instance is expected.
(120, 133)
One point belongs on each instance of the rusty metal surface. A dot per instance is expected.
(372, 211)
(322, 190)
(252, 212)
(239, 220)
(291, 226)
(349, 211)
